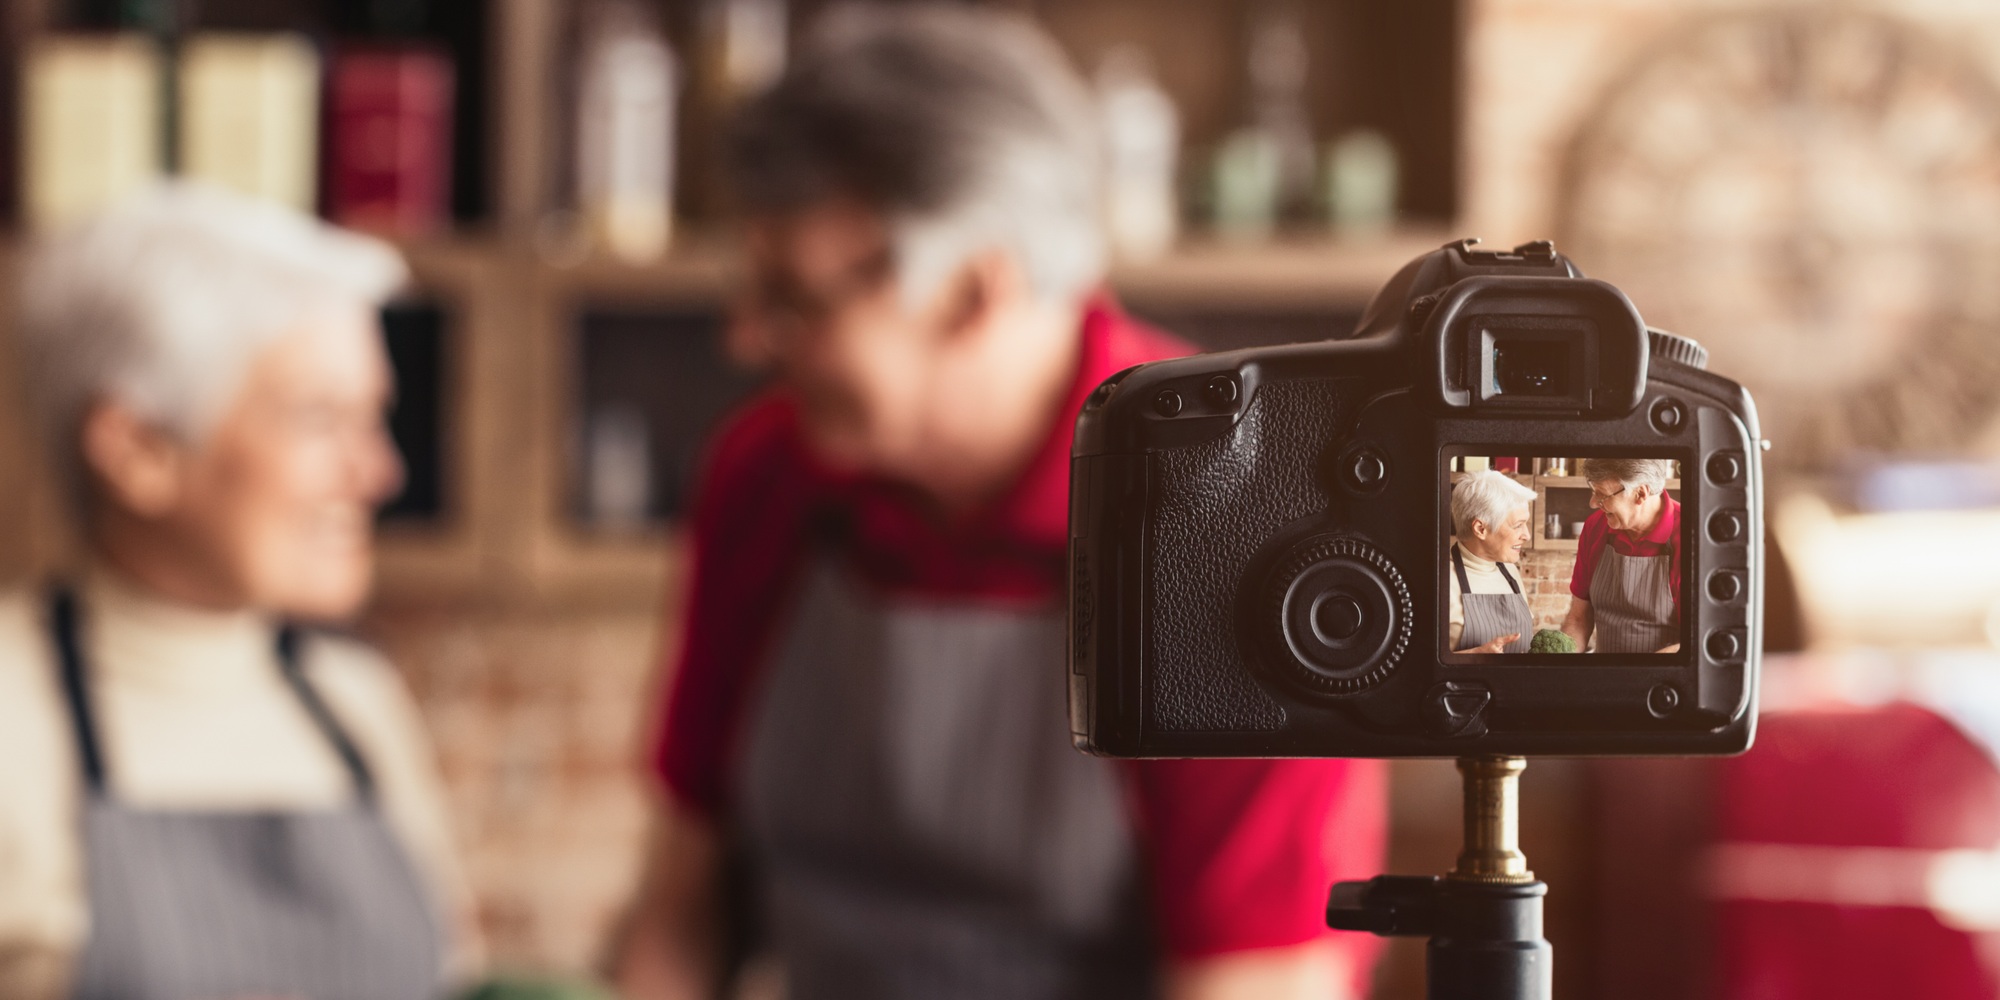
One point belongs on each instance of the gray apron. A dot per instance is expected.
(192, 904)
(1632, 607)
(916, 821)
(1490, 616)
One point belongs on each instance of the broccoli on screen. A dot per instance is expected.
(1550, 640)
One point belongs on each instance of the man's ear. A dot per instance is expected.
(134, 463)
(986, 285)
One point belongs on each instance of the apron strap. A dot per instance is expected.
(291, 668)
(62, 622)
(89, 750)
(1465, 585)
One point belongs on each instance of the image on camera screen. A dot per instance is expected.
(1549, 554)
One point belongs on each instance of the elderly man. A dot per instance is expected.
(198, 800)
(867, 707)
(1625, 589)
(1490, 517)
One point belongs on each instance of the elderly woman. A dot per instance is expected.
(1626, 585)
(1489, 520)
(200, 800)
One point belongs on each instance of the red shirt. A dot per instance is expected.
(1240, 854)
(1665, 537)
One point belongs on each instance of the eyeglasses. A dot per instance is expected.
(1600, 499)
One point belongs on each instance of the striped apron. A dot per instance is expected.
(917, 822)
(192, 904)
(1632, 606)
(1490, 616)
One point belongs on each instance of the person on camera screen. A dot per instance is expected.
(864, 738)
(1626, 584)
(1490, 518)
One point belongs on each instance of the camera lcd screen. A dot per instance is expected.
(1561, 554)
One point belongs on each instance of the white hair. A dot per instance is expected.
(162, 301)
(1651, 473)
(967, 128)
(1486, 496)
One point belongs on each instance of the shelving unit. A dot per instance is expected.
(516, 297)
(1567, 497)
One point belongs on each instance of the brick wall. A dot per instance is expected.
(538, 722)
(1545, 581)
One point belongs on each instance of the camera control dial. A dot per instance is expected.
(1674, 347)
(1336, 615)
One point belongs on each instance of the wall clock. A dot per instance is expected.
(1814, 194)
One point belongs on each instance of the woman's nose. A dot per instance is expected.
(380, 468)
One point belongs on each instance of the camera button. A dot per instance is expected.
(1221, 390)
(1363, 470)
(1725, 585)
(1167, 403)
(1724, 645)
(1662, 700)
(1669, 416)
(1337, 617)
(1724, 467)
(1726, 526)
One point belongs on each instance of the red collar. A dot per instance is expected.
(1663, 530)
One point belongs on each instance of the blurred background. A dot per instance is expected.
(1811, 190)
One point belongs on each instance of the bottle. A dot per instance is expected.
(618, 483)
(1248, 180)
(625, 142)
(1360, 184)
(91, 128)
(1142, 140)
(249, 114)
(1264, 171)
(743, 46)
(1279, 60)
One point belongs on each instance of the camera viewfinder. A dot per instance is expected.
(1523, 367)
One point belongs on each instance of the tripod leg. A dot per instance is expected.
(1489, 945)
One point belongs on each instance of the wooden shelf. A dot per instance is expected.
(1578, 482)
(1201, 273)
(1287, 273)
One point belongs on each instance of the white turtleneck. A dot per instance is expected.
(1484, 575)
(192, 713)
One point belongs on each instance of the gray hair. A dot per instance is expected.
(965, 127)
(162, 301)
(1485, 496)
(1652, 473)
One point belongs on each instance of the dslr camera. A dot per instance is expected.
(1261, 551)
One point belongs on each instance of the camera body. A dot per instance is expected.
(1259, 553)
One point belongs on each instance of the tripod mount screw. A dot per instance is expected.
(1492, 852)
